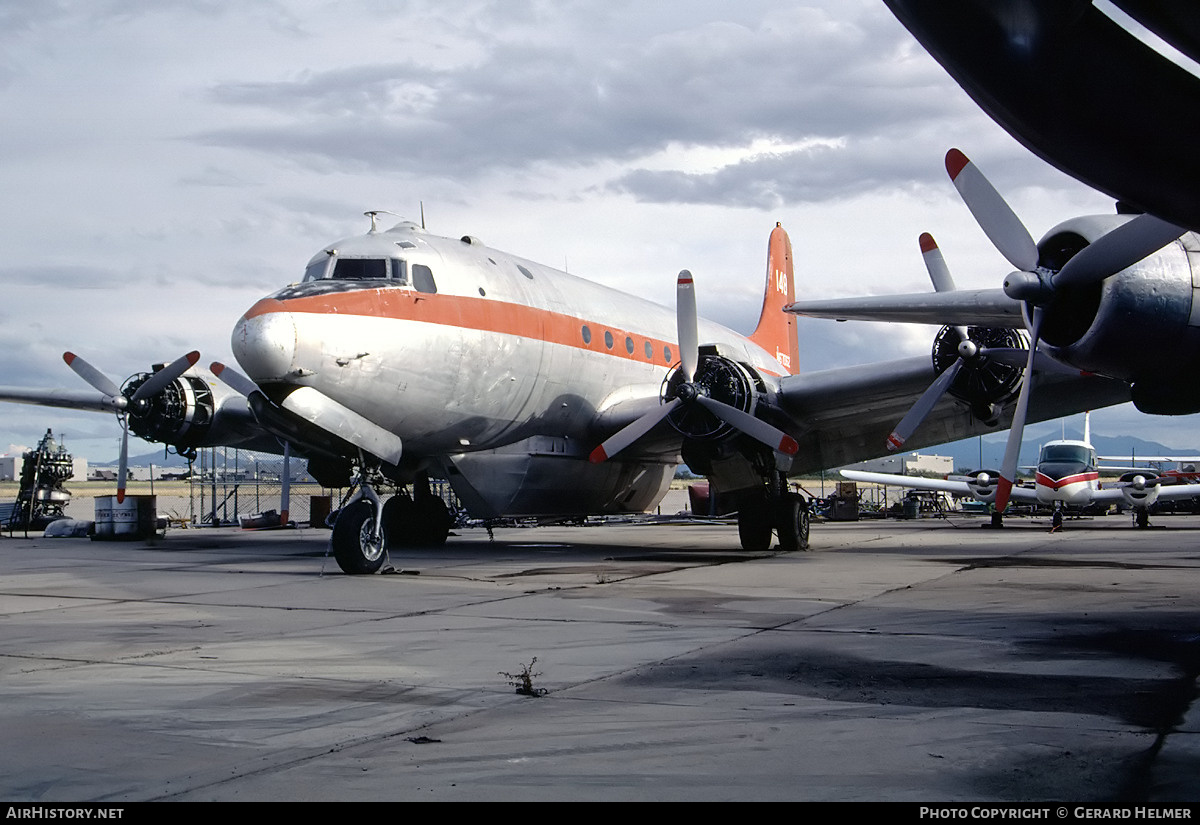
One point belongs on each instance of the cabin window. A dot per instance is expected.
(422, 278)
(667, 354)
(525, 272)
(649, 351)
(629, 345)
(608, 339)
(587, 334)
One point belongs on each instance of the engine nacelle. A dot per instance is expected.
(1138, 325)
(720, 378)
(983, 485)
(180, 415)
(1140, 488)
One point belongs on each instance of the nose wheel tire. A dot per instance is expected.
(355, 547)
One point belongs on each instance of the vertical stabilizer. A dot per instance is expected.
(776, 331)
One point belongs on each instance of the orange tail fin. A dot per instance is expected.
(776, 330)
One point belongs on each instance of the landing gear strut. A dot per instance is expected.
(1141, 517)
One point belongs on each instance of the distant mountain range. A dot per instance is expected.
(966, 453)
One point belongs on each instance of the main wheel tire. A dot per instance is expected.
(353, 538)
(399, 515)
(792, 522)
(754, 525)
(434, 521)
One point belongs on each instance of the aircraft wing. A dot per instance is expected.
(90, 400)
(971, 307)
(1178, 491)
(844, 415)
(942, 485)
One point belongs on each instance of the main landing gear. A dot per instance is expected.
(366, 526)
(778, 510)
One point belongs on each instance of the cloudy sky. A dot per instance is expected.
(164, 164)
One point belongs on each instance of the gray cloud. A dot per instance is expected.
(783, 76)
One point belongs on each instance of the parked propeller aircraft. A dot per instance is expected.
(1105, 295)
(402, 356)
(1067, 476)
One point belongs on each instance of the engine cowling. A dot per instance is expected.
(982, 485)
(984, 383)
(1137, 325)
(722, 379)
(180, 415)
(1140, 488)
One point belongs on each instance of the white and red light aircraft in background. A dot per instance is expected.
(1067, 476)
(402, 355)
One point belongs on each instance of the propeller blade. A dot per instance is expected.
(685, 318)
(158, 381)
(1019, 358)
(93, 376)
(935, 264)
(621, 439)
(993, 214)
(233, 379)
(123, 462)
(1121, 248)
(939, 273)
(756, 428)
(1008, 471)
(916, 414)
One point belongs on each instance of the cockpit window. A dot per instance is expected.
(394, 270)
(316, 270)
(360, 269)
(1067, 452)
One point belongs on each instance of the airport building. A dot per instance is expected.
(10, 467)
(907, 464)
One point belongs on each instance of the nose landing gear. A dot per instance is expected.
(366, 526)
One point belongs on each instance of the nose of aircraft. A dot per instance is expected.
(264, 343)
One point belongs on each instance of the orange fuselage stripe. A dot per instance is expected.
(483, 315)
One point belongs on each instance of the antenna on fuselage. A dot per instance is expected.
(375, 213)
(422, 214)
